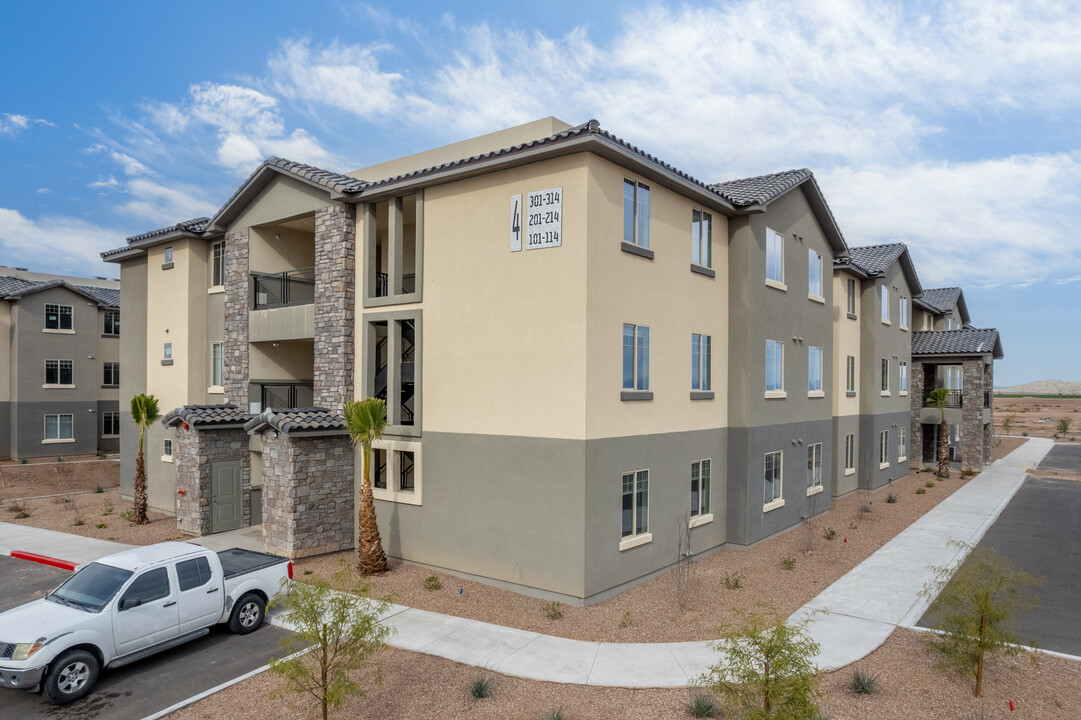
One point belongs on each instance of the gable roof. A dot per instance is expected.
(106, 297)
(967, 341)
(757, 192)
(187, 228)
(13, 285)
(200, 416)
(876, 260)
(946, 299)
(15, 288)
(299, 421)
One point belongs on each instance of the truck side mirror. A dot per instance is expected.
(130, 602)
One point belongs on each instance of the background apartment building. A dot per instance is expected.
(60, 356)
(585, 353)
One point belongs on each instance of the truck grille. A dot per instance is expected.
(6, 649)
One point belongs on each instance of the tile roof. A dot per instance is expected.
(331, 180)
(108, 297)
(14, 285)
(195, 225)
(967, 341)
(297, 421)
(206, 416)
(945, 299)
(762, 188)
(873, 259)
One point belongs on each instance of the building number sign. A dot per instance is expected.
(544, 220)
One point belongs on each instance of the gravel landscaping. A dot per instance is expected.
(651, 612)
(47, 476)
(63, 513)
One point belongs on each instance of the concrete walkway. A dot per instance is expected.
(880, 594)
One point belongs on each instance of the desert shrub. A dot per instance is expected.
(22, 515)
(703, 704)
(480, 687)
(891, 498)
(108, 509)
(929, 483)
(24, 461)
(553, 610)
(555, 713)
(921, 491)
(734, 580)
(829, 533)
(99, 489)
(862, 682)
(625, 622)
(432, 583)
(788, 563)
(102, 525)
(79, 519)
(128, 515)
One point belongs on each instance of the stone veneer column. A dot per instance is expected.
(916, 390)
(307, 494)
(989, 429)
(972, 449)
(236, 317)
(193, 454)
(335, 298)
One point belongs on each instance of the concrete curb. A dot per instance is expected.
(43, 559)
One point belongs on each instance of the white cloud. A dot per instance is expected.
(68, 243)
(131, 165)
(12, 124)
(44, 190)
(108, 183)
(165, 204)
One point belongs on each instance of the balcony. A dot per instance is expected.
(409, 283)
(954, 399)
(281, 396)
(291, 288)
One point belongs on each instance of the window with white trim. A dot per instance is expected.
(772, 478)
(167, 447)
(885, 375)
(635, 503)
(850, 375)
(850, 451)
(110, 424)
(701, 238)
(851, 296)
(59, 427)
(902, 444)
(902, 376)
(217, 255)
(635, 357)
(884, 448)
(59, 317)
(774, 366)
(814, 369)
(774, 256)
(814, 273)
(111, 373)
(636, 213)
(168, 255)
(902, 316)
(217, 363)
(112, 323)
(59, 372)
(885, 304)
(700, 471)
(701, 373)
(814, 468)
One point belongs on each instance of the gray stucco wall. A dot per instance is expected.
(6, 426)
(871, 426)
(747, 448)
(133, 303)
(106, 444)
(842, 426)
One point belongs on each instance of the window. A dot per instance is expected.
(883, 449)
(850, 375)
(59, 372)
(635, 503)
(814, 273)
(885, 305)
(902, 377)
(110, 424)
(814, 468)
(635, 357)
(167, 352)
(191, 574)
(379, 468)
(701, 374)
(701, 238)
(217, 361)
(902, 444)
(774, 256)
(405, 471)
(58, 317)
(949, 323)
(850, 452)
(885, 375)
(112, 323)
(635, 214)
(700, 488)
(773, 497)
(814, 369)
(851, 296)
(774, 366)
(167, 448)
(902, 314)
(217, 255)
(148, 587)
(168, 255)
(396, 472)
(58, 427)
(112, 374)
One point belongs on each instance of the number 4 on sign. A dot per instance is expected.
(515, 223)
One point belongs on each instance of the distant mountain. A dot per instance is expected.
(1043, 387)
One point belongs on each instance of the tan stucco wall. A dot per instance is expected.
(291, 360)
(277, 249)
(5, 351)
(281, 199)
(176, 302)
(846, 341)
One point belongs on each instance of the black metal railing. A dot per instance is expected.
(382, 284)
(954, 398)
(285, 396)
(292, 287)
(987, 398)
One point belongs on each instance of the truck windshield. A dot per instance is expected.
(92, 587)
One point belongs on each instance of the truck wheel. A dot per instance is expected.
(71, 676)
(247, 614)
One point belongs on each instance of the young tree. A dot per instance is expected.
(1063, 426)
(1007, 422)
(974, 608)
(767, 668)
(341, 632)
(938, 399)
(365, 420)
(144, 410)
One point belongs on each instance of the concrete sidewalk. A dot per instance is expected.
(881, 593)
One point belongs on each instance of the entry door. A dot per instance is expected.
(225, 496)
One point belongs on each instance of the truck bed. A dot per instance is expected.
(237, 561)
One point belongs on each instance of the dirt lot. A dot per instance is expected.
(1038, 416)
(81, 513)
(49, 477)
(422, 686)
(657, 610)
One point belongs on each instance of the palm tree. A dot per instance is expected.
(938, 399)
(365, 420)
(144, 410)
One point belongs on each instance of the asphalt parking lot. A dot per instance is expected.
(1040, 532)
(143, 688)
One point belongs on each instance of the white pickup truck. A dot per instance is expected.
(130, 605)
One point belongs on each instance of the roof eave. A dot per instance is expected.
(251, 188)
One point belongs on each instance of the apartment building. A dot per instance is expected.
(60, 354)
(585, 352)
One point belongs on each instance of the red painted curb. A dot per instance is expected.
(44, 560)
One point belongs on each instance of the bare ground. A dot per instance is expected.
(422, 686)
(48, 477)
(1038, 417)
(63, 513)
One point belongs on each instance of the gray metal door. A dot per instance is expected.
(226, 496)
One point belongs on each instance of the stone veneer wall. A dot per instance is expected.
(335, 298)
(236, 317)
(917, 386)
(307, 494)
(193, 452)
(973, 452)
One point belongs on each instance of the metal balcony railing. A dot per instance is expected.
(284, 289)
(285, 396)
(382, 282)
(954, 398)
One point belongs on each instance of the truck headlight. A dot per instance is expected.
(24, 650)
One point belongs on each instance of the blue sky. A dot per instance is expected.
(950, 126)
